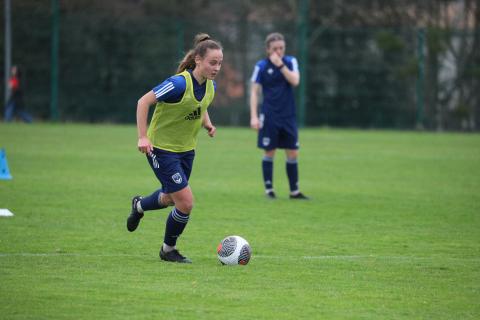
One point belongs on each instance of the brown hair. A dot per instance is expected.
(273, 37)
(201, 43)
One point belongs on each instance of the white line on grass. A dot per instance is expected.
(60, 254)
(321, 257)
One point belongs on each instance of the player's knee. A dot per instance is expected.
(270, 153)
(292, 154)
(187, 206)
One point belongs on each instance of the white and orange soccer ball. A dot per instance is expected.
(234, 250)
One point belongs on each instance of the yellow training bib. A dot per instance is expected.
(174, 126)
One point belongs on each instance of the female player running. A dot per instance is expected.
(276, 75)
(169, 144)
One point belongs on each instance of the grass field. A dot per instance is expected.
(392, 230)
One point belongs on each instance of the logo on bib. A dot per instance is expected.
(194, 115)
(177, 178)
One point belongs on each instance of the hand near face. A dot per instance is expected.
(275, 59)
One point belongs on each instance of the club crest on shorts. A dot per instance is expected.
(177, 178)
(266, 141)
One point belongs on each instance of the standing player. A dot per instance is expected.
(181, 109)
(276, 75)
(15, 100)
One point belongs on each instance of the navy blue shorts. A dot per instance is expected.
(277, 134)
(171, 168)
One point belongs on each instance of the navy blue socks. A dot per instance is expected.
(267, 169)
(152, 202)
(292, 173)
(176, 223)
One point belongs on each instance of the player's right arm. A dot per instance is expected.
(255, 90)
(292, 76)
(170, 90)
(254, 93)
(144, 144)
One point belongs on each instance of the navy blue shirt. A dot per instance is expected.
(172, 89)
(278, 95)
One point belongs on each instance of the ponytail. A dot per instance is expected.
(201, 44)
(188, 62)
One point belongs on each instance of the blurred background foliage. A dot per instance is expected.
(368, 64)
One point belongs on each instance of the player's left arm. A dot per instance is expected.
(207, 124)
(291, 75)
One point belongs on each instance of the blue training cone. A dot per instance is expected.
(4, 172)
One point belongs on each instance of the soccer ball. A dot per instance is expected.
(234, 250)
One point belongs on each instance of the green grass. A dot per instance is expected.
(392, 230)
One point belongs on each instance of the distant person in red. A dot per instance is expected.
(15, 101)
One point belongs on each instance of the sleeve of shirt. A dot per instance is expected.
(293, 64)
(256, 74)
(170, 89)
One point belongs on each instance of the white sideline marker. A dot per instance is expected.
(5, 213)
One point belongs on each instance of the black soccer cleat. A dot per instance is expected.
(134, 218)
(299, 196)
(173, 256)
(271, 194)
